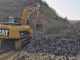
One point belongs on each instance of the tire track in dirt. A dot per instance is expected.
(8, 55)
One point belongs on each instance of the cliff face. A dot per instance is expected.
(52, 22)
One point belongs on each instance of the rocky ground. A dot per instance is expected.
(68, 44)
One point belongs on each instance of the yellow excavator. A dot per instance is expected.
(16, 31)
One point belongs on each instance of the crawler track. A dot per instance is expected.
(8, 53)
(4, 49)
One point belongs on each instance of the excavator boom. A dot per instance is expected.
(27, 12)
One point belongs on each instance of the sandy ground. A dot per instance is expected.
(8, 56)
(34, 56)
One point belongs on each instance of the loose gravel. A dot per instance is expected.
(68, 44)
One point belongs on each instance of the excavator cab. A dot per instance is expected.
(11, 21)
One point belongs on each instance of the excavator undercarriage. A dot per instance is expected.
(16, 43)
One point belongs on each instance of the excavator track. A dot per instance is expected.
(21, 43)
(6, 55)
(15, 44)
(5, 52)
(10, 53)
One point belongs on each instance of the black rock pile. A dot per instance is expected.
(58, 45)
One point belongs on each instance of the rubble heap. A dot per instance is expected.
(58, 45)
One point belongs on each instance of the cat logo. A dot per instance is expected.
(4, 32)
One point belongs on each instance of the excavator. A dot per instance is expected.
(16, 32)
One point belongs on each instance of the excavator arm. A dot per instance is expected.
(27, 11)
(25, 15)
